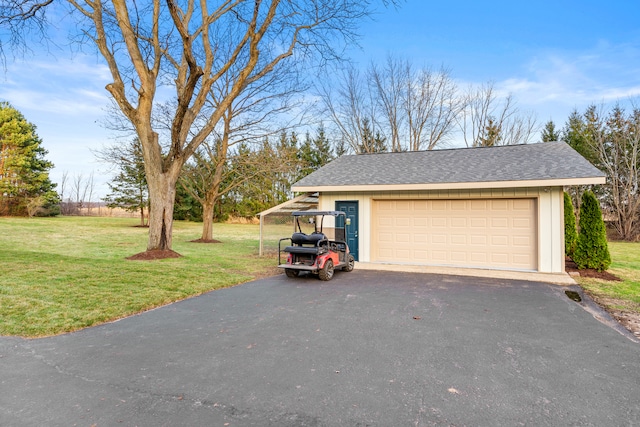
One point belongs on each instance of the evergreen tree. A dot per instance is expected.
(549, 133)
(491, 135)
(371, 142)
(128, 188)
(578, 133)
(570, 233)
(342, 148)
(314, 153)
(324, 153)
(187, 208)
(25, 187)
(592, 250)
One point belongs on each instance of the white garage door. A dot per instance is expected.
(494, 233)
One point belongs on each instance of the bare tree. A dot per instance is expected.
(81, 192)
(414, 109)
(488, 120)
(353, 111)
(431, 105)
(63, 192)
(188, 46)
(252, 117)
(20, 18)
(389, 84)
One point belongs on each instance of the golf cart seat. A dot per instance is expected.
(312, 244)
(307, 239)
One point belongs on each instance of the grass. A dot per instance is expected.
(623, 295)
(64, 274)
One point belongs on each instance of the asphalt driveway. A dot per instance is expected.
(366, 349)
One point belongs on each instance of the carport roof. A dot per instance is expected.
(529, 165)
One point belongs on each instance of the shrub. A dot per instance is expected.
(592, 250)
(570, 233)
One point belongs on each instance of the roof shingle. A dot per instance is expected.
(542, 161)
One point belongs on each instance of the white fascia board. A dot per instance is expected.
(455, 185)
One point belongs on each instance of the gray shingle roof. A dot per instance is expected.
(542, 161)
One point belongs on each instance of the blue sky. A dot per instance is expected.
(553, 56)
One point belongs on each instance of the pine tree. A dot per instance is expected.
(570, 233)
(314, 153)
(549, 133)
(129, 188)
(592, 250)
(371, 142)
(491, 135)
(25, 187)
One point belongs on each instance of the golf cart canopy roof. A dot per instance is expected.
(317, 213)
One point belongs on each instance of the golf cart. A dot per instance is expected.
(311, 250)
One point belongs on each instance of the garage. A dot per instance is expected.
(493, 233)
(492, 208)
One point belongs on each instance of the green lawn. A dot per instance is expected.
(624, 295)
(67, 273)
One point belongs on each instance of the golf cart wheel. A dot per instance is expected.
(327, 271)
(351, 262)
(291, 273)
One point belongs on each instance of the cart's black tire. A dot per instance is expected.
(326, 273)
(291, 273)
(351, 262)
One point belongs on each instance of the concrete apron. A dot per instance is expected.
(556, 278)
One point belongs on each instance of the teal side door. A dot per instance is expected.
(351, 209)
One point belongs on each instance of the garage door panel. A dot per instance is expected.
(479, 257)
(524, 223)
(500, 222)
(522, 241)
(479, 205)
(420, 238)
(499, 233)
(478, 222)
(479, 240)
(439, 222)
(459, 222)
(439, 239)
(402, 238)
(500, 205)
(500, 240)
(458, 239)
(420, 222)
(439, 255)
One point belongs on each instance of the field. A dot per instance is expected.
(63, 274)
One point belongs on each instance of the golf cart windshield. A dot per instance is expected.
(330, 222)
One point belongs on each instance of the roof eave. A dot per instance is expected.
(561, 182)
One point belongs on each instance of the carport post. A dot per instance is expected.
(261, 242)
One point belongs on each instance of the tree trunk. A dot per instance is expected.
(162, 196)
(142, 216)
(207, 220)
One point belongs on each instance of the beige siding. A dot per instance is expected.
(547, 213)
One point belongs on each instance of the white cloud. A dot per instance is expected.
(604, 74)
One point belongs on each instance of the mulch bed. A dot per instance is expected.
(571, 266)
(205, 241)
(153, 255)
